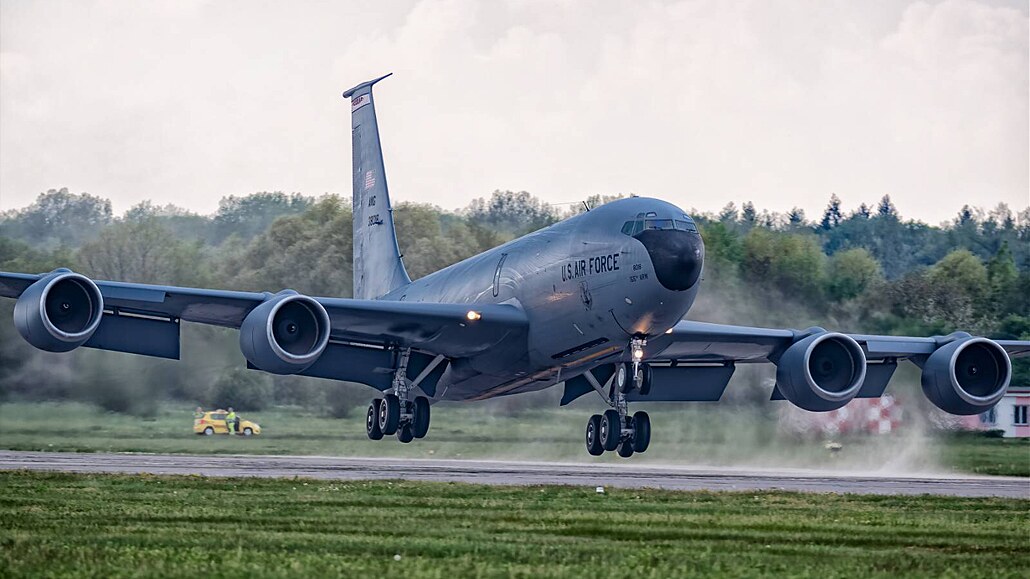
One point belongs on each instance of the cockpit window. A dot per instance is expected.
(632, 228)
(686, 226)
(660, 224)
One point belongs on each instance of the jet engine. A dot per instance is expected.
(285, 334)
(822, 372)
(967, 376)
(59, 312)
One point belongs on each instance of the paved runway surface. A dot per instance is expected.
(625, 474)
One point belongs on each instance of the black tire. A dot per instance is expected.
(641, 431)
(209, 431)
(420, 418)
(372, 420)
(594, 436)
(645, 380)
(623, 373)
(626, 449)
(611, 429)
(405, 433)
(248, 431)
(389, 414)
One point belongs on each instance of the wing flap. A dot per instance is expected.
(135, 335)
(686, 384)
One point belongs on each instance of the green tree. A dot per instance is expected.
(851, 272)
(832, 216)
(142, 251)
(57, 218)
(250, 215)
(512, 212)
(311, 253)
(962, 271)
(1003, 280)
(791, 263)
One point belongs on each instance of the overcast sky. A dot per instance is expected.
(696, 102)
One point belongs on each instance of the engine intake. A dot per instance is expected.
(59, 312)
(822, 372)
(967, 376)
(285, 334)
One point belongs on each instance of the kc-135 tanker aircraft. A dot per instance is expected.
(596, 302)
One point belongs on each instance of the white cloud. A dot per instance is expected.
(699, 102)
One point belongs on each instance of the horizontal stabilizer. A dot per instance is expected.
(349, 92)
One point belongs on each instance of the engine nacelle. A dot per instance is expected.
(285, 334)
(822, 372)
(967, 376)
(59, 312)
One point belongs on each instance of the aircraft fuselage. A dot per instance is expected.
(630, 268)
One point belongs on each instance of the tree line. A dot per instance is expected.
(863, 270)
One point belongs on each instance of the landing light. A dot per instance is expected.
(473, 315)
(669, 331)
(638, 354)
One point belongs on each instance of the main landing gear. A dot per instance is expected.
(398, 412)
(615, 429)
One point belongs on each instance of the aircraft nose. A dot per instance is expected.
(677, 256)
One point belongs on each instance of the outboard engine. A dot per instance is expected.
(59, 312)
(967, 376)
(285, 334)
(822, 372)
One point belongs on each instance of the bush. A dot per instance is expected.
(344, 400)
(243, 390)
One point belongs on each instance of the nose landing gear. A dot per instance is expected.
(615, 429)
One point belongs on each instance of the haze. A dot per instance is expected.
(700, 103)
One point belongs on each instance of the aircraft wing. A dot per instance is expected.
(694, 361)
(702, 342)
(438, 329)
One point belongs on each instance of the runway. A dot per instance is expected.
(625, 475)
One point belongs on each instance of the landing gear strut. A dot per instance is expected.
(615, 429)
(398, 412)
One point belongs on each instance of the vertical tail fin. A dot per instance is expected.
(378, 268)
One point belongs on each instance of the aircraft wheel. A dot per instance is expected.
(372, 420)
(641, 431)
(389, 414)
(594, 435)
(626, 449)
(405, 433)
(623, 372)
(611, 429)
(645, 379)
(421, 417)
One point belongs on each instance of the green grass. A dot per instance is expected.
(106, 526)
(688, 434)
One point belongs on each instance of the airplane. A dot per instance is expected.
(596, 302)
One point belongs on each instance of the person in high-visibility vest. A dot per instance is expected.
(230, 421)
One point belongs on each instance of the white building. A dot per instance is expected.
(1010, 415)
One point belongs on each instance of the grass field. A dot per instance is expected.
(106, 526)
(682, 435)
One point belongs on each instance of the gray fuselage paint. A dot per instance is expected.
(585, 285)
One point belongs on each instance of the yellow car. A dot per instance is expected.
(213, 422)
